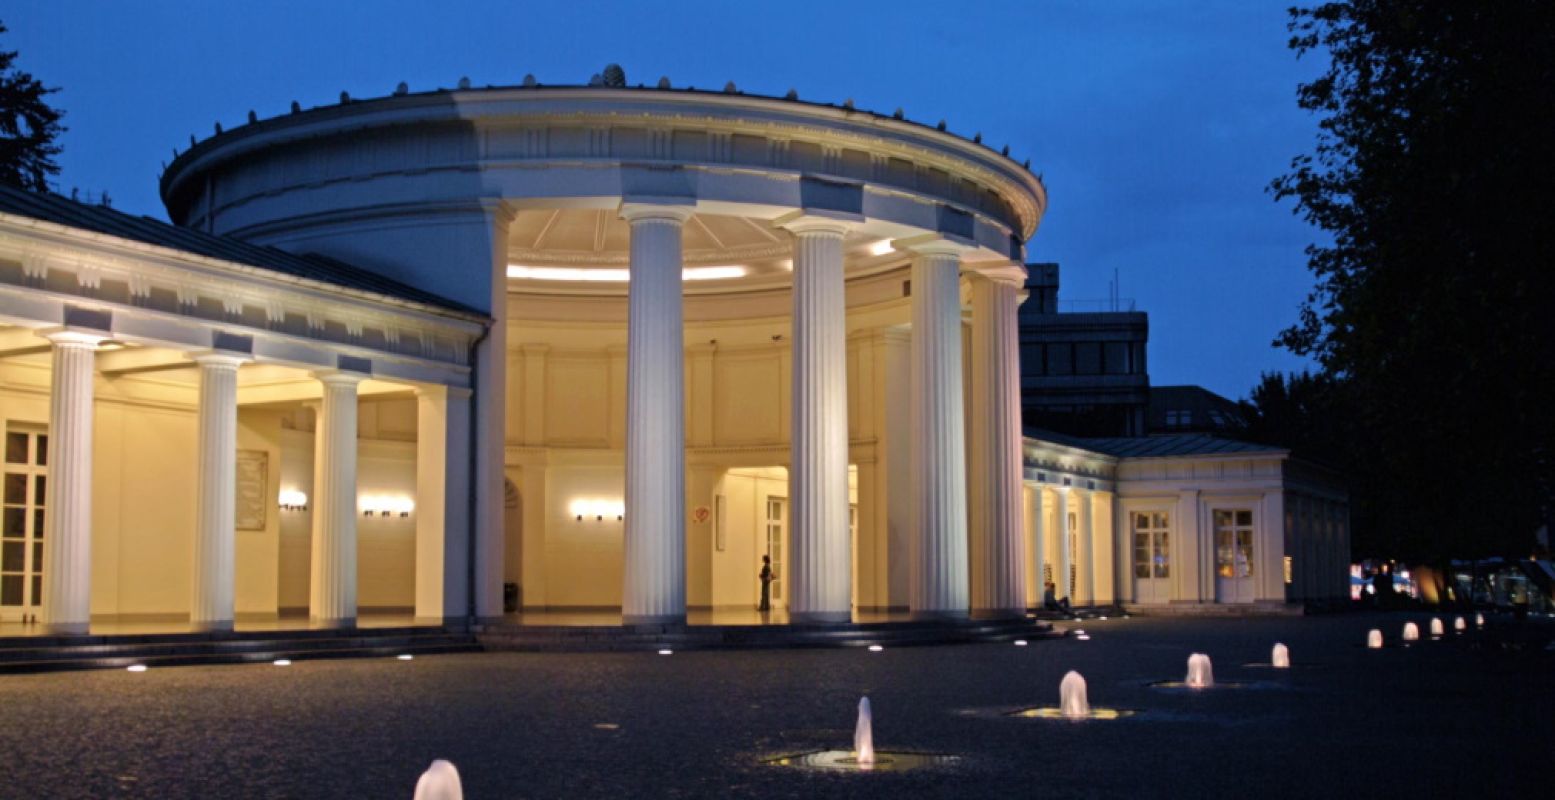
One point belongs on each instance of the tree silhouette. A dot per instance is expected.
(1434, 173)
(29, 127)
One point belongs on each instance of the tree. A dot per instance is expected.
(1434, 173)
(29, 127)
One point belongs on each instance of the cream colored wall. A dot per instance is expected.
(258, 553)
(386, 546)
(296, 536)
(582, 557)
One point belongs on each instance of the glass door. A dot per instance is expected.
(777, 534)
(1234, 555)
(21, 522)
(1152, 556)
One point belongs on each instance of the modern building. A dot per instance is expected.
(1083, 371)
(610, 345)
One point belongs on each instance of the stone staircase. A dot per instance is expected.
(592, 638)
(49, 653)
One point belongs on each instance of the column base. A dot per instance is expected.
(938, 615)
(66, 628)
(345, 623)
(653, 619)
(211, 625)
(820, 617)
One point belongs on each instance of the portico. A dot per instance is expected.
(143, 391)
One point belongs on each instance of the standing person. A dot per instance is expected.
(766, 583)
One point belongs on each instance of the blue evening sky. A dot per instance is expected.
(1156, 125)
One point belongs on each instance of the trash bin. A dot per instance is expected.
(509, 598)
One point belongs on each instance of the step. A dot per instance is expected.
(106, 652)
(599, 638)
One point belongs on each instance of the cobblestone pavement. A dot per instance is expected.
(1445, 718)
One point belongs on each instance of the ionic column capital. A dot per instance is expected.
(73, 337)
(648, 211)
(811, 223)
(339, 378)
(220, 359)
(933, 245)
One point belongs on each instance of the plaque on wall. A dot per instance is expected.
(253, 472)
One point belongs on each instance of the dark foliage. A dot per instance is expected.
(29, 127)
(1433, 316)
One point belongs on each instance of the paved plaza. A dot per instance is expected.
(1460, 716)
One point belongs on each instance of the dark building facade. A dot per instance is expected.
(1083, 372)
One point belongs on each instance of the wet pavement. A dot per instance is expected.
(1453, 717)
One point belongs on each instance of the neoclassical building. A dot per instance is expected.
(604, 346)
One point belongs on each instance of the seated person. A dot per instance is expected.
(1049, 602)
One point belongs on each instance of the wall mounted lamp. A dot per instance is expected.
(293, 500)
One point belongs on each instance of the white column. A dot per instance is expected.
(997, 543)
(820, 569)
(332, 597)
(1085, 576)
(1038, 538)
(210, 603)
(1065, 557)
(442, 509)
(654, 580)
(938, 474)
(67, 549)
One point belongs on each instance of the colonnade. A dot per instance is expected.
(946, 564)
(1087, 573)
(67, 568)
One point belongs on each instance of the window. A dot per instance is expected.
(1115, 358)
(1234, 543)
(1152, 546)
(1031, 359)
(1060, 359)
(1087, 358)
(25, 485)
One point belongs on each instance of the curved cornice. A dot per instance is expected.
(493, 109)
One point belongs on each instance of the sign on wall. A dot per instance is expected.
(252, 475)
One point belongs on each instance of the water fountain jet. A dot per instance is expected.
(1280, 657)
(1072, 702)
(1411, 632)
(1479, 620)
(864, 734)
(1437, 629)
(439, 782)
(1201, 674)
(1374, 639)
(1459, 626)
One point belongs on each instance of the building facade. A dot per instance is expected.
(1083, 371)
(608, 345)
